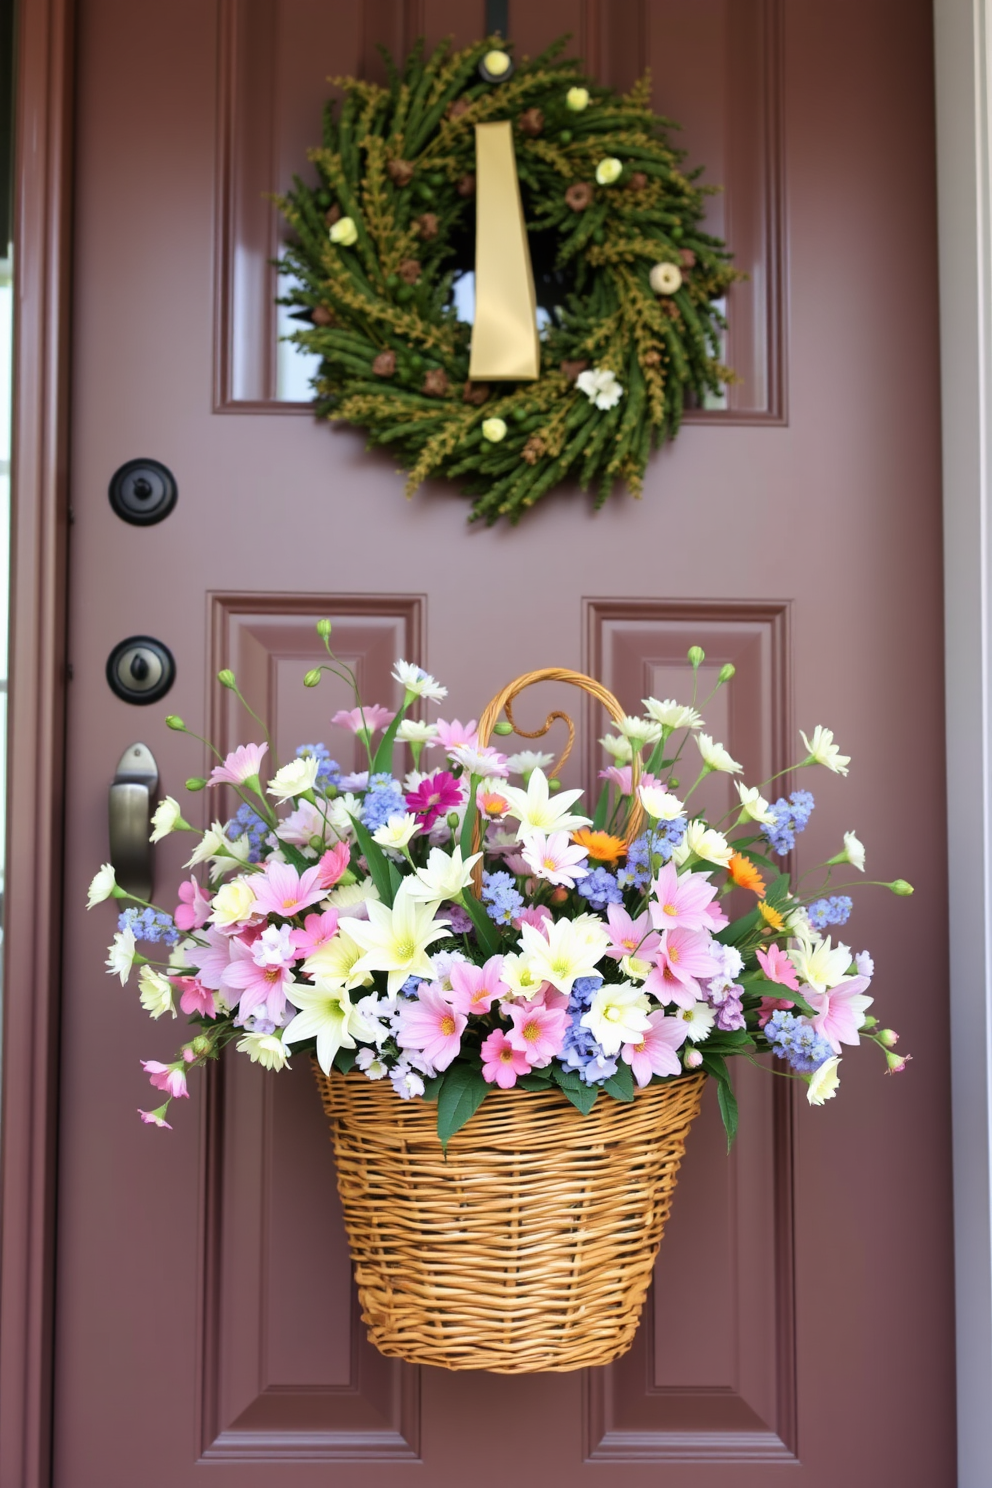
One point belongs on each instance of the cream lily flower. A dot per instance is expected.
(211, 845)
(570, 950)
(397, 831)
(396, 940)
(293, 779)
(671, 715)
(102, 887)
(444, 876)
(155, 992)
(854, 852)
(823, 751)
(333, 964)
(121, 955)
(619, 748)
(618, 1014)
(659, 803)
(823, 1082)
(706, 843)
(521, 977)
(329, 1015)
(166, 819)
(266, 1049)
(715, 757)
(818, 965)
(754, 807)
(538, 811)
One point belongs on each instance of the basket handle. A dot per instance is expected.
(503, 703)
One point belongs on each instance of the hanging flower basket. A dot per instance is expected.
(530, 1244)
(512, 1006)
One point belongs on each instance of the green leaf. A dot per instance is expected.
(383, 759)
(469, 819)
(582, 1096)
(778, 890)
(395, 877)
(535, 1080)
(602, 809)
(432, 1087)
(377, 861)
(459, 1098)
(621, 1085)
(344, 1059)
(486, 931)
(295, 858)
(727, 1101)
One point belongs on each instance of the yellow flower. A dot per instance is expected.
(496, 63)
(577, 99)
(344, 232)
(609, 170)
(493, 429)
(771, 917)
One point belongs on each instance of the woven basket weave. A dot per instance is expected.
(531, 1245)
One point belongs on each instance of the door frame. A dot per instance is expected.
(38, 665)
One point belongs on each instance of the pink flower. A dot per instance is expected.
(771, 1005)
(334, 864)
(280, 890)
(474, 989)
(317, 930)
(682, 902)
(491, 804)
(168, 1077)
(655, 1054)
(483, 762)
(454, 735)
(300, 825)
(193, 909)
(214, 958)
(155, 1118)
(840, 1011)
(630, 937)
(262, 972)
(434, 797)
(431, 1025)
(538, 915)
(776, 965)
(538, 1031)
(196, 998)
(501, 1062)
(371, 717)
(619, 775)
(682, 957)
(517, 863)
(241, 764)
(555, 858)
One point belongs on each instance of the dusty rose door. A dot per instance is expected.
(799, 1330)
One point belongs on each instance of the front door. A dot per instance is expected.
(800, 1326)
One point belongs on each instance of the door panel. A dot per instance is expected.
(206, 1321)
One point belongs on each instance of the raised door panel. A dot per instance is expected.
(715, 67)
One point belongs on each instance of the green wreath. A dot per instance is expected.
(627, 278)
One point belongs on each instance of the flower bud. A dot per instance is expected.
(559, 895)
(900, 886)
(175, 722)
(452, 820)
(554, 784)
(317, 843)
(503, 728)
(726, 672)
(673, 784)
(201, 1045)
(692, 1058)
(312, 678)
(195, 783)
(888, 1038)
(226, 679)
(696, 657)
(897, 1062)
(324, 629)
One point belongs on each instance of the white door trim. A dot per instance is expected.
(963, 34)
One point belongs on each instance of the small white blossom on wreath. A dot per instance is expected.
(600, 387)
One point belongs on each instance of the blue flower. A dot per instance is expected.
(501, 897)
(384, 799)
(583, 991)
(600, 888)
(660, 842)
(791, 817)
(247, 820)
(834, 911)
(797, 1041)
(581, 1052)
(150, 925)
(328, 770)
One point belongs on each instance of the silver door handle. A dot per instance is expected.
(134, 785)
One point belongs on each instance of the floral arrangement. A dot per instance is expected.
(628, 284)
(467, 927)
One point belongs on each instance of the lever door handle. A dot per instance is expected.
(134, 785)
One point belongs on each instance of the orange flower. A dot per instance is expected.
(600, 845)
(771, 917)
(745, 874)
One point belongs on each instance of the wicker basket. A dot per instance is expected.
(531, 1245)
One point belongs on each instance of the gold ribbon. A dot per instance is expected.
(505, 345)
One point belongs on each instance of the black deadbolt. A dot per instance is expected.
(141, 669)
(143, 492)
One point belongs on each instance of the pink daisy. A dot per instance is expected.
(682, 957)
(280, 890)
(240, 765)
(455, 734)
(655, 1054)
(474, 989)
(317, 930)
(771, 1005)
(434, 797)
(501, 1062)
(261, 982)
(619, 776)
(682, 901)
(196, 998)
(778, 967)
(334, 864)
(193, 910)
(840, 1011)
(430, 1024)
(555, 858)
(630, 937)
(538, 1031)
